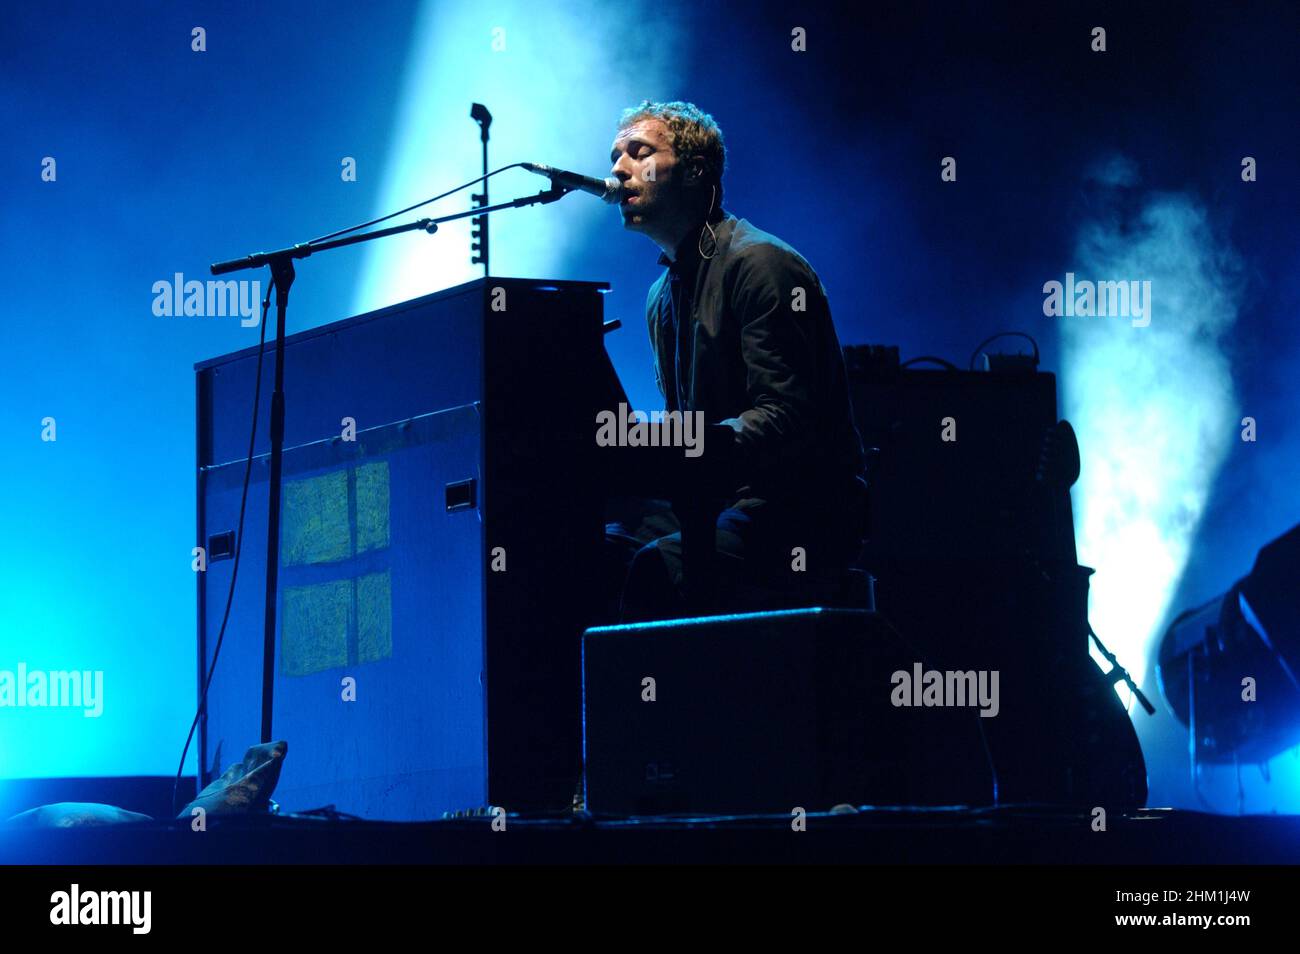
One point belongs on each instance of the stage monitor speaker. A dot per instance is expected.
(767, 713)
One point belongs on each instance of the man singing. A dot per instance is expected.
(741, 331)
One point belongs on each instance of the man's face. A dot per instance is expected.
(644, 161)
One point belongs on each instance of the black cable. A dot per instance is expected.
(239, 542)
(393, 215)
(1003, 334)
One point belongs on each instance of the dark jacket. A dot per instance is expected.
(755, 347)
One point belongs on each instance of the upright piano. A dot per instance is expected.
(440, 548)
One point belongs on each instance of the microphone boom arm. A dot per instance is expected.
(304, 250)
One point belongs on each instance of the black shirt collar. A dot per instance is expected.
(687, 256)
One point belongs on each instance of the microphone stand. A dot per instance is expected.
(282, 276)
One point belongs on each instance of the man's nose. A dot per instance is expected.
(624, 169)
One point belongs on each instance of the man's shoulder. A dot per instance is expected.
(754, 251)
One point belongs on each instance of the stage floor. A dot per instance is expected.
(1007, 835)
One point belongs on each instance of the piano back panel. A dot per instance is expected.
(384, 576)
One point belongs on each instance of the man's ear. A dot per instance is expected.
(694, 172)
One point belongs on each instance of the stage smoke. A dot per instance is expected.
(1153, 403)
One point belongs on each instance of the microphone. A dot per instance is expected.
(610, 190)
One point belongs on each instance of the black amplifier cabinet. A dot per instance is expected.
(954, 464)
(438, 535)
(971, 539)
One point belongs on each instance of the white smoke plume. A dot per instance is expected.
(1154, 407)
